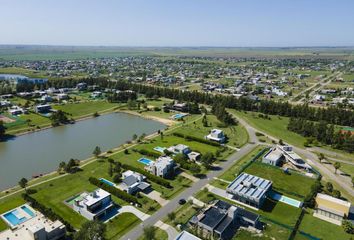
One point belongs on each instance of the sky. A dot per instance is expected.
(234, 23)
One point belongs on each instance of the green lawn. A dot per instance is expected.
(276, 126)
(120, 225)
(321, 229)
(183, 214)
(284, 183)
(7, 204)
(85, 108)
(159, 235)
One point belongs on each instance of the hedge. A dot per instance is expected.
(197, 139)
(113, 190)
(149, 176)
(48, 212)
(148, 153)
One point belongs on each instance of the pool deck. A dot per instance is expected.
(21, 214)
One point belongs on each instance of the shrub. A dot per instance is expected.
(196, 139)
(148, 153)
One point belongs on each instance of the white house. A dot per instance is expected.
(94, 205)
(179, 149)
(133, 182)
(162, 167)
(216, 135)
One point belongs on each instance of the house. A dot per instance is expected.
(273, 157)
(293, 158)
(133, 182)
(221, 220)
(184, 235)
(331, 209)
(249, 189)
(16, 111)
(44, 108)
(62, 96)
(46, 98)
(38, 227)
(182, 107)
(96, 94)
(194, 156)
(216, 135)
(93, 205)
(81, 86)
(179, 149)
(163, 166)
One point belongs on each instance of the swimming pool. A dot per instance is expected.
(145, 161)
(179, 115)
(160, 149)
(286, 200)
(18, 215)
(107, 182)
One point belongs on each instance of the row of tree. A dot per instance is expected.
(332, 115)
(323, 132)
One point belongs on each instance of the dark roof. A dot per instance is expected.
(222, 205)
(130, 180)
(247, 214)
(143, 185)
(212, 217)
(223, 225)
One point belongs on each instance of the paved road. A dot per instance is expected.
(312, 158)
(136, 232)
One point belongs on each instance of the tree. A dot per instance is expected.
(281, 142)
(336, 166)
(110, 170)
(23, 183)
(321, 157)
(134, 137)
(161, 135)
(117, 178)
(171, 216)
(2, 129)
(62, 166)
(92, 230)
(96, 151)
(329, 187)
(195, 169)
(348, 226)
(353, 181)
(149, 233)
(207, 159)
(336, 194)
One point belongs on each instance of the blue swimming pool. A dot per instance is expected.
(145, 161)
(179, 115)
(107, 182)
(12, 218)
(160, 149)
(286, 200)
(29, 211)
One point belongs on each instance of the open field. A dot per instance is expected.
(77, 110)
(272, 232)
(160, 235)
(120, 225)
(321, 229)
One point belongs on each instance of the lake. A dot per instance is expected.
(41, 152)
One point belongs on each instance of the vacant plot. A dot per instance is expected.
(160, 235)
(77, 110)
(321, 229)
(120, 225)
(294, 183)
(271, 232)
(183, 214)
(275, 126)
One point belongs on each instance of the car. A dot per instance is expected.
(182, 201)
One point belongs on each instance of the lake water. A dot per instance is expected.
(41, 152)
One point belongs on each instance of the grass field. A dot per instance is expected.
(159, 235)
(321, 229)
(77, 110)
(120, 225)
(271, 232)
(276, 126)
(183, 214)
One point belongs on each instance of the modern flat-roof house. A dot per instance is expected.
(293, 158)
(249, 189)
(194, 156)
(35, 226)
(331, 209)
(216, 135)
(163, 166)
(179, 149)
(133, 182)
(184, 235)
(273, 157)
(93, 205)
(44, 108)
(221, 220)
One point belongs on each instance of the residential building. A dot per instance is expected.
(293, 158)
(249, 189)
(216, 135)
(133, 182)
(221, 220)
(44, 108)
(163, 166)
(273, 157)
(93, 205)
(331, 209)
(194, 156)
(179, 149)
